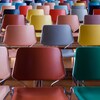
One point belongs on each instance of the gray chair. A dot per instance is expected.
(78, 7)
(58, 35)
(92, 19)
(80, 13)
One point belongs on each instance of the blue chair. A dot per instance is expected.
(19, 4)
(58, 35)
(86, 68)
(5, 1)
(11, 11)
(4, 4)
(62, 7)
(93, 5)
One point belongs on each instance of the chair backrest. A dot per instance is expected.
(87, 64)
(34, 5)
(39, 20)
(11, 19)
(46, 9)
(92, 19)
(4, 63)
(96, 11)
(11, 11)
(56, 35)
(79, 4)
(55, 13)
(89, 35)
(80, 13)
(17, 5)
(7, 7)
(51, 4)
(63, 7)
(78, 7)
(71, 20)
(34, 12)
(4, 4)
(24, 9)
(20, 35)
(38, 63)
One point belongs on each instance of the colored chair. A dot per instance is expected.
(92, 19)
(4, 72)
(86, 68)
(4, 4)
(80, 13)
(11, 11)
(51, 4)
(24, 9)
(34, 5)
(78, 7)
(34, 12)
(19, 35)
(71, 20)
(93, 5)
(5, 1)
(39, 20)
(10, 19)
(79, 4)
(39, 67)
(46, 9)
(63, 7)
(17, 5)
(96, 11)
(58, 35)
(55, 13)
(28, 2)
(7, 7)
(89, 35)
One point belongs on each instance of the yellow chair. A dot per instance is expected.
(79, 4)
(38, 21)
(34, 12)
(89, 35)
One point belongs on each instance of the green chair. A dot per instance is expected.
(86, 68)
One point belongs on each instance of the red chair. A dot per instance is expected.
(39, 63)
(96, 11)
(23, 9)
(10, 19)
(55, 13)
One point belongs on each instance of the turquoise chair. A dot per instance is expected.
(86, 68)
(62, 7)
(19, 4)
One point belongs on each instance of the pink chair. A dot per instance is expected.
(20, 35)
(4, 72)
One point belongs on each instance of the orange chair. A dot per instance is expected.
(10, 19)
(55, 13)
(96, 11)
(23, 9)
(19, 35)
(46, 9)
(39, 67)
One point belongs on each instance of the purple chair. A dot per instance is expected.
(92, 19)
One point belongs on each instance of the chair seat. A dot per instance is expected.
(67, 53)
(3, 91)
(54, 93)
(87, 93)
